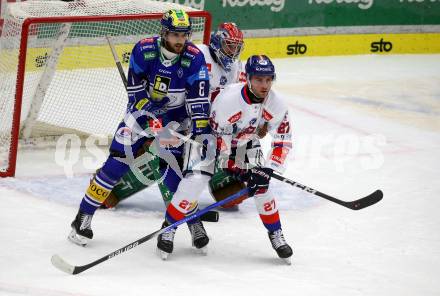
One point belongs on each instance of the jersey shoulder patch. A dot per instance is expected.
(192, 53)
(148, 48)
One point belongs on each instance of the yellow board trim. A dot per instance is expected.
(331, 45)
(83, 57)
(274, 47)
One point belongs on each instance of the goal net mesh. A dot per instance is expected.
(71, 83)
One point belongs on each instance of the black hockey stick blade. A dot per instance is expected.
(358, 204)
(211, 216)
(366, 201)
(63, 265)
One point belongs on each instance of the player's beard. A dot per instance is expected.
(176, 48)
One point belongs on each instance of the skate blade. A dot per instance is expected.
(202, 251)
(77, 239)
(288, 261)
(162, 254)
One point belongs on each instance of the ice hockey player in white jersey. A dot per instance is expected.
(238, 114)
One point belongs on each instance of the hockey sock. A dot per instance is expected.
(102, 184)
(185, 200)
(268, 211)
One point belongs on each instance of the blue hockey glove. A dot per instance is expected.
(258, 180)
(153, 107)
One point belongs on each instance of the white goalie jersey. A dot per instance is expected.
(235, 119)
(218, 77)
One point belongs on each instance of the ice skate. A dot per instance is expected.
(280, 245)
(165, 242)
(81, 229)
(199, 237)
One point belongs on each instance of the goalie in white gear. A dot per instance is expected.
(222, 57)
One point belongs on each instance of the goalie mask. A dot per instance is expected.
(227, 44)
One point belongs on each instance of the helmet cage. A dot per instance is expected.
(227, 43)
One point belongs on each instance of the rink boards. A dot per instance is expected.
(99, 56)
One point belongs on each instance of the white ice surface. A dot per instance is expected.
(360, 123)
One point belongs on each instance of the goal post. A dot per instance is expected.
(57, 72)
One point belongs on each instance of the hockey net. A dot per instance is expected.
(57, 72)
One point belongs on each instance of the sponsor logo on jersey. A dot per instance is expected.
(141, 103)
(252, 121)
(266, 115)
(147, 40)
(235, 117)
(203, 73)
(192, 49)
(180, 73)
(150, 55)
(246, 133)
(165, 71)
(185, 62)
(279, 154)
(160, 86)
(149, 46)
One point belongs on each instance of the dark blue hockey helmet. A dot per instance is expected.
(259, 65)
(176, 20)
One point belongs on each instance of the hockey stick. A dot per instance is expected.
(358, 204)
(117, 61)
(62, 265)
(354, 205)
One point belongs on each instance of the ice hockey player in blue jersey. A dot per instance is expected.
(168, 83)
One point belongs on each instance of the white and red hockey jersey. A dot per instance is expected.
(218, 77)
(236, 119)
